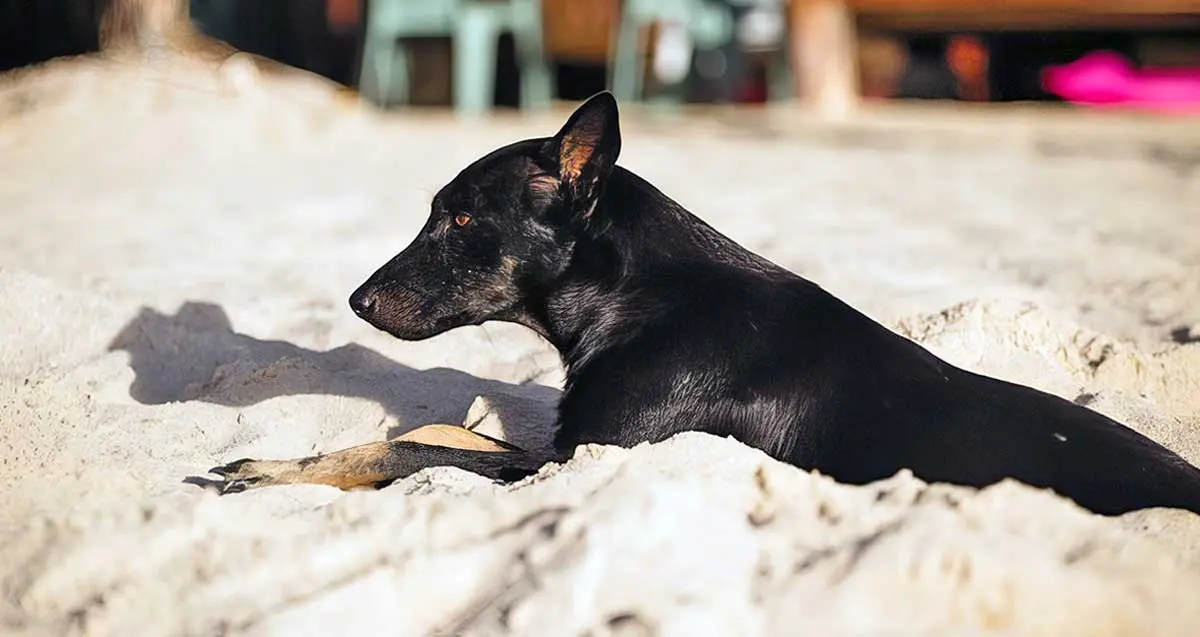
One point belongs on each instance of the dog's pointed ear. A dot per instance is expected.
(586, 149)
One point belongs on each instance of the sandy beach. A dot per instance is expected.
(176, 249)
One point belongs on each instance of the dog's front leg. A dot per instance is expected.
(379, 463)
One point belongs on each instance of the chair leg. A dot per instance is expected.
(399, 78)
(369, 76)
(537, 81)
(628, 71)
(384, 76)
(475, 39)
(781, 81)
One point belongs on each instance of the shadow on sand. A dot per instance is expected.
(195, 354)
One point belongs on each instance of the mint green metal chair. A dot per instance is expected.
(474, 26)
(709, 25)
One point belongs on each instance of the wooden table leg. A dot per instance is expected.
(825, 51)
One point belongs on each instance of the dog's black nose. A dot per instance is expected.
(362, 301)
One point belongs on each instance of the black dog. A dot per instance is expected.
(665, 325)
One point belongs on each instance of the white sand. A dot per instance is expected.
(175, 254)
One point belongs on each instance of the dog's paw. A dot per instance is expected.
(240, 475)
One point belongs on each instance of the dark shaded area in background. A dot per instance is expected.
(291, 31)
(1016, 60)
(1015, 54)
(35, 31)
(295, 32)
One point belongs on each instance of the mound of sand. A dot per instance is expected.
(174, 261)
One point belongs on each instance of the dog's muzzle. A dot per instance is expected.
(391, 307)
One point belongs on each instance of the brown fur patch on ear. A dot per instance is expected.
(578, 147)
(573, 158)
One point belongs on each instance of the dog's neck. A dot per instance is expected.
(648, 229)
(644, 236)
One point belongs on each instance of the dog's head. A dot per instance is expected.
(498, 233)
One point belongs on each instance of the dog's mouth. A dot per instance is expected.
(422, 331)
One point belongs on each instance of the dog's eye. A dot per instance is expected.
(462, 219)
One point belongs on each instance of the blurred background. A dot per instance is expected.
(477, 55)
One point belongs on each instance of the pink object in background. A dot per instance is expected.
(1105, 78)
